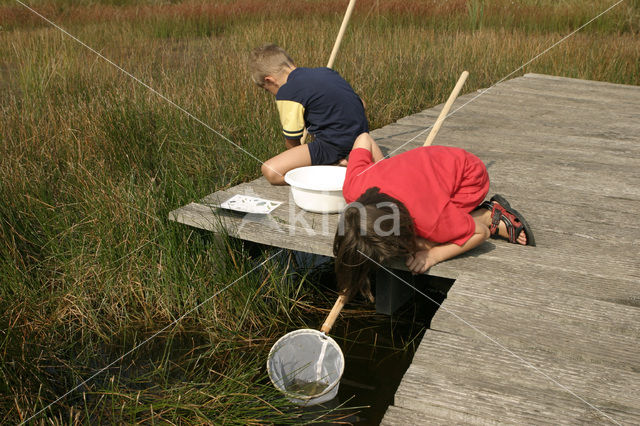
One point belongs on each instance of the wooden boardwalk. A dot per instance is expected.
(549, 334)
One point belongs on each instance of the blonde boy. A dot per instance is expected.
(317, 99)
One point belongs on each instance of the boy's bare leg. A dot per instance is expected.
(484, 217)
(275, 168)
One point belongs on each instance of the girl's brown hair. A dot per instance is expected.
(375, 226)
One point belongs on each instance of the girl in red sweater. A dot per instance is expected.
(425, 204)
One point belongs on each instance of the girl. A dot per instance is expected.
(424, 204)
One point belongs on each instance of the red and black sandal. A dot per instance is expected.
(501, 210)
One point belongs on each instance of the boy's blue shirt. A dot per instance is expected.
(323, 102)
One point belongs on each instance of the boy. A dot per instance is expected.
(318, 99)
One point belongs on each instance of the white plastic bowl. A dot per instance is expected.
(317, 189)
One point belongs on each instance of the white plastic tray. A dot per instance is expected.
(247, 204)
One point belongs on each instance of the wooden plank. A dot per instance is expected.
(403, 417)
(511, 292)
(430, 392)
(549, 102)
(533, 380)
(287, 226)
(573, 101)
(492, 114)
(620, 183)
(474, 118)
(527, 166)
(543, 178)
(499, 138)
(609, 91)
(558, 281)
(593, 84)
(459, 356)
(555, 253)
(586, 221)
(566, 252)
(609, 94)
(508, 107)
(530, 97)
(579, 123)
(405, 132)
(263, 229)
(527, 329)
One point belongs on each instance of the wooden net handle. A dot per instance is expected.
(336, 47)
(333, 315)
(446, 108)
(343, 27)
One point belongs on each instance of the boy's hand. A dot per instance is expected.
(342, 162)
(420, 261)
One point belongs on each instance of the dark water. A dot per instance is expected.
(378, 349)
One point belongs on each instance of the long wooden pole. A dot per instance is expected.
(336, 47)
(446, 108)
(343, 28)
(333, 315)
(342, 299)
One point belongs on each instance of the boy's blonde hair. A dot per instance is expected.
(268, 60)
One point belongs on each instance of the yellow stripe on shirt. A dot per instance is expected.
(291, 118)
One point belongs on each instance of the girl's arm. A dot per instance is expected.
(422, 260)
(424, 244)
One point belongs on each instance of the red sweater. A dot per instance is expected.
(439, 185)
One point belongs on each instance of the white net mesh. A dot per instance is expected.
(306, 365)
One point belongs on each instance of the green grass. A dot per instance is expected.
(91, 163)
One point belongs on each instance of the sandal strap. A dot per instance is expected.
(486, 205)
(496, 216)
(513, 224)
(514, 229)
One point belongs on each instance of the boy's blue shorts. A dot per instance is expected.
(325, 153)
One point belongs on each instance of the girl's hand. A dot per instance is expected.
(420, 261)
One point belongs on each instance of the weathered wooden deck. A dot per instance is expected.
(549, 334)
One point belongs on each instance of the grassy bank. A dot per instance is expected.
(91, 162)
